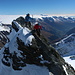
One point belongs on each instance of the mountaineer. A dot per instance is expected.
(37, 28)
(28, 20)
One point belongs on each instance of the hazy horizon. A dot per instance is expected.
(44, 14)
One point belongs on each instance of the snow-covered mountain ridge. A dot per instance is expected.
(25, 51)
(8, 65)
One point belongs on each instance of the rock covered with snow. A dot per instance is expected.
(25, 52)
(4, 31)
(18, 53)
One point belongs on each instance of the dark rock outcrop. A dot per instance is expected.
(3, 38)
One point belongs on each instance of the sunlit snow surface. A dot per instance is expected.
(70, 60)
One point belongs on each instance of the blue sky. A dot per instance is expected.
(21, 7)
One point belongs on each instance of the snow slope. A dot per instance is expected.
(66, 48)
(70, 60)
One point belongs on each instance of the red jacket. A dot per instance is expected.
(37, 26)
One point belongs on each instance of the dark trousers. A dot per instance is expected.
(38, 32)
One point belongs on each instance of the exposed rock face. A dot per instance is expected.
(20, 20)
(3, 38)
(37, 52)
(4, 32)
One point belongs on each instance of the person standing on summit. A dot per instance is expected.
(28, 20)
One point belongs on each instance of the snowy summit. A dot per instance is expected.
(27, 53)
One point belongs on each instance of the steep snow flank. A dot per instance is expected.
(23, 34)
(12, 34)
(66, 48)
(18, 25)
(26, 37)
(70, 60)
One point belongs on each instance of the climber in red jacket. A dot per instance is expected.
(37, 28)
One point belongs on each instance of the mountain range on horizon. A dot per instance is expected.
(56, 27)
